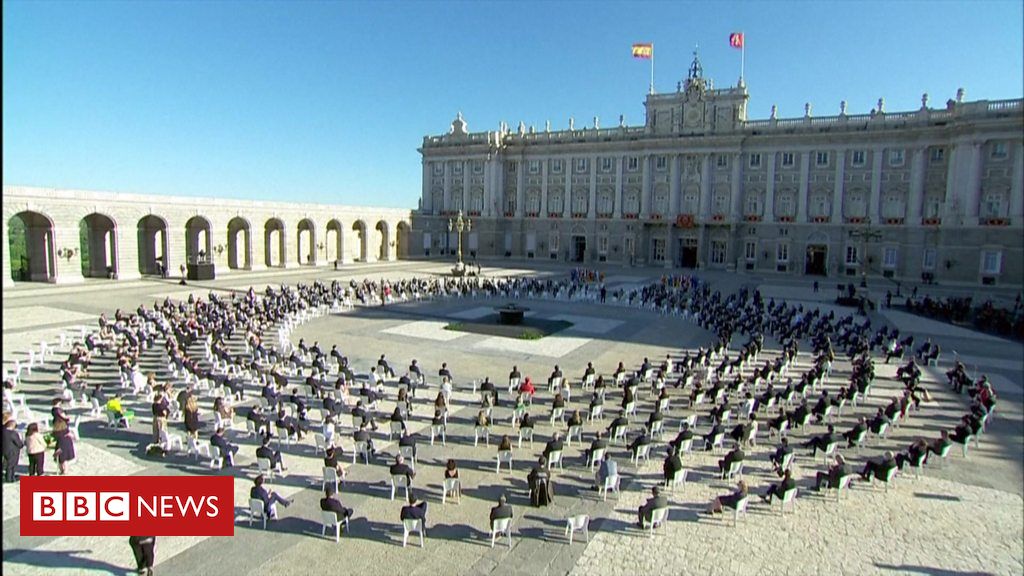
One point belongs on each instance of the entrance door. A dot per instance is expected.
(816, 257)
(579, 248)
(688, 252)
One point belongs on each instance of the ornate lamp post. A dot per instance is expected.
(865, 235)
(460, 225)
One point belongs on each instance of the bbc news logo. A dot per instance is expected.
(127, 505)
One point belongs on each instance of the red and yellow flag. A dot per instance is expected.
(736, 40)
(645, 51)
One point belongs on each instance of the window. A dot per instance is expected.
(534, 166)
(556, 166)
(633, 164)
(938, 155)
(821, 159)
(991, 261)
(992, 207)
(889, 257)
(896, 157)
(722, 161)
(785, 205)
(478, 167)
(750, 250)
(783, 232)
(782, 252)
(579, 201)
(661, 163)
(581, 165)
(606, 164)
(510, 203)
(476, 201)
(755, 160)
(928, 259)
(858, 158)
(658, 250)
(438, 168)
(512, 166)
(458, 168)
(999, 150)
(852, 258)
(605, 202)
(719, 249)
(753, 204)
(602, 244)
(553, 241)
(787, 159)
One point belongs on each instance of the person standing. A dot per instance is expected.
(35, 446)
(12, 444)
(143, 547)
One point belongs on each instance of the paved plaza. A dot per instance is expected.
(965, 516)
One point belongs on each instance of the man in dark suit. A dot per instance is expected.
(386, 370)
(860, 428)
(777, 490)
(444, 372)
(736, 455)
(878, 467)
(415, 510)
(330, 503)
(644, 439)
(265, 451)
(835, 472)
(12, 446)
(363, 435)
(270, 499)
(672, 465)
(780, 454)
(645, 512)
(227, 449)
(408, 441)
(599, 443)
(684, 434)
(364, 415)
(554, 445)
(502, 510)
(400, 468)
(620, 422)
(143, 549)
(822, 440)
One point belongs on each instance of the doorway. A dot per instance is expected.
(688, 252)
(817, 256)
(579, 248)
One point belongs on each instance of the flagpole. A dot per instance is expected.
(652, 67)
(743, 56)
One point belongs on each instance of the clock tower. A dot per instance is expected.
(695, 107)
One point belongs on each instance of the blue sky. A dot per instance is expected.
(328, 101)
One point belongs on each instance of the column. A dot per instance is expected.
(953, 209)
(673, 187)
(592, 202)
(6, 252)
(544, 187)
(127, 253)
(972, 190)
(802, 191)
(617, 207)
(447, 187)
(1016, 187)
(736, 189)
(645, 186)
(915, 200)
(428, 197)
(705, 201)
(567, 170)
(467, 168)
(769, 190)
(837, 191)
(705, 177)
(520, 186)
(874, 214)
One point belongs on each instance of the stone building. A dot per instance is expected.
(130, 235)
(933, 194)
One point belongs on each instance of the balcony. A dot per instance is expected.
(605, 215)
(509, 214)
(684, 221)
(820, 219)
(554, 214)
(781, 219)
(532, 214)
(655, 216)
(931, 221)
(855, 220)
(630, 216)
(893, 221)
(718, 217)
(474, 212)
(986, 221)
(579, 215)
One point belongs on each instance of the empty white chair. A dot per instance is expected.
(265, 468)
(169, 441)
(596, 413)
(409, 526)
(217, 460)
(559, 414)
(454, 487)
(658, 427)
(619, 433)
(741, 508)
(504, 456)
(503, 527)
(579, 522)
(395, 429)
(320, 441)
(735, 471)
(788, 497)
(330, 519)
(525, 434)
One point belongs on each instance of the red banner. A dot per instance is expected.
(127, 506)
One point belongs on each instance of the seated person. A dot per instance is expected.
(270, 499)
(114, 406)
(599, 443)
(715, 431)
(963, 430)
(400, 468)
(734, 456)
(644, 439)
(875, 425)
(539, 481)
(554, 445)
(821, 441)
(620, 422)
(646, 512)
(729, 500)
(227, 449)
(363, 435)
(672, 465)
(360, 412)
(608, 469)
(858, 430)
(331, 503)
(526, 421)
(575, 420)
(940, 444)
(265, 451)
(397, 416)
(501, 511)
(505, 445)
(780, 454)
(408, 441)
(777, 490)
(917, 453)
(835, 472)
(878, 467)
(415, 510)
(332, 459)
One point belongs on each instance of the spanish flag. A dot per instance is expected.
(645, 51)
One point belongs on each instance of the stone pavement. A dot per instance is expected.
(962, 518)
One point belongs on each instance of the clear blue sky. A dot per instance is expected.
(328, 101)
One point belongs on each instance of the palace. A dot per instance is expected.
(932, 195)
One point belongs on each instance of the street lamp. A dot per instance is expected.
(865, 235)
(460, 225)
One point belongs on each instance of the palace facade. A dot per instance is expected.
(933, 194)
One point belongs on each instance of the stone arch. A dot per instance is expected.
(305, 242)
(335, 241)
(385, 241)
(239, 244)
(359, 227)
(99, 241)
(197, 239)
(402, 240)
(153, 245)
(274, 243)
(32, 247)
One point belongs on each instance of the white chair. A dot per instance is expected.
(96, 410)
(484, 431)
(619, 433)
(788, 497)
(330, 519)
(283, 437)
(741, 508)
(169, 441)
(409, 453)
(685, 447)
(217, 460)
(596, 413)
(555, 457)
(579, 522)
(503, 527)
(409, 526)
(576, 431)
(642, 451)
(630, 409)
(677, 479)
(844, 484)
(658, 428)
(265, 468)
(256, 511)
(513, 385)
(250, 429)
(889, 478)
(610, 483)
(330, 475)
(735, 471)
(361, 449)
(829, 450)
(437, 430)
(454, 487)
(399, 481)
(197, 448)
(559, 414)
(395, 429)
(659, 517)
(504, 456)
(320, 441)
(596, 457)
(525, 434)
